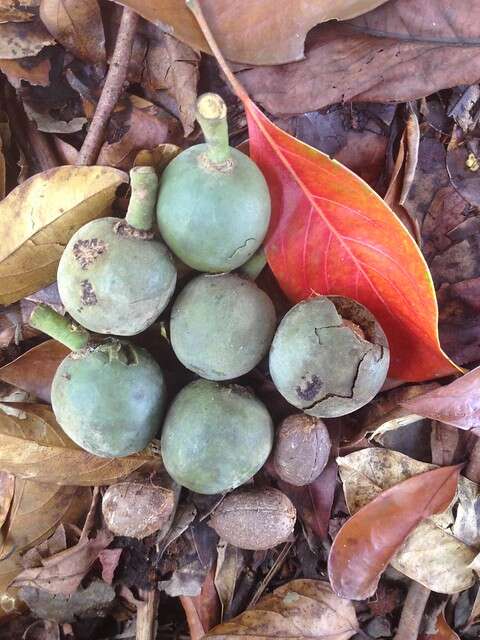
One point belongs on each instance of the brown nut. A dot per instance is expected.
(137, 509)
(254, 519)
(301, 450)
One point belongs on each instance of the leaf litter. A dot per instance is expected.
(413, 138)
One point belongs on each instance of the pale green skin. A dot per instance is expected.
(215, 437)
(321, 366)
(221, 326)
(213, 220)
(109, 399)
(133, 280)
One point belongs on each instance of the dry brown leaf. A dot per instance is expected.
(299, 609)
(33, 371)
(35, 71)
(173, 65)
(431, 555)
(136, 125)
(14, 11)
(77, 26)
(390, 54)
(264, 32)
(39, 217)
(34, 446)
(157, 157)
(64, 571)
(7, 486)
(23, 39)
(37, 508)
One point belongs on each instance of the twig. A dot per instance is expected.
(412, 613)
(147, 612)
(112, 88)
(193, 619)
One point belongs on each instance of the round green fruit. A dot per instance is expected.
(329, 356)
(221, 326)
(109, 399)
(215, 437)
(213, 219)
(113, 280)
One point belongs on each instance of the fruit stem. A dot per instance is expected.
(45, 319)
(141, 208)
(212, 117)
(254, 267)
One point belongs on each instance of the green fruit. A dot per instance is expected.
(329, 356)
(215, 437)
(109, 398)
(112, 280)
(213, 219)
(221, 326)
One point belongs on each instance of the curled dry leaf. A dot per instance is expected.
(39, 217)
(33, 371)
(431, 555)
(77, 26)
(299, 609)
(13, 11)
(266, 32)
(457, 403)
(137, 509)
(35, 71)
(385, 55)
(23, 39)
(34, 446)
(368, 541)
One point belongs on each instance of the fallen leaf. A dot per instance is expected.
(35, 71)
(263, 33)
(444, 631)
(77, 26)
(173, 66)
(37, 508)
(42, 630)
(367, 542)
(13, 11)
(447, 444)
(92, 601)
(23, 39)
(299, 609)
(136, 125)
(51, 123)
(7, 486)
(457, 403)
(157, 157)
(34, 446)
(385, 55)
(323, 215)
(38, 218)
(202, 611)
(33, 371)
(431, 555)
(230, 563)
(463, 165)
(63, 572)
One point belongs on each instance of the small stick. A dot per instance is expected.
(412, 612)
(112, 88)
(147, 612)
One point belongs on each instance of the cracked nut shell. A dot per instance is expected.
(254, 518)
(301, 450)
(329, 356)
(221, 326)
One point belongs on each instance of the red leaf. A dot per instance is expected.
(33, 371)
(369, 539)
(457, 403)
(332, 234)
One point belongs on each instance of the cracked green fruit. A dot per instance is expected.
(215, 437)
(113, 276)
(213, 208)
(109, 398)
(329, 356)
(221, 326)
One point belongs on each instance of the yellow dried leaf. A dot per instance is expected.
(39, 217)
(34, 446)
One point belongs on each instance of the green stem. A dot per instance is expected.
(212, 117)
(141, 208)
(254, 267)
(45, 319)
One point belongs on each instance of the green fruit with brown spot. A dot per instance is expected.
(215, 437)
